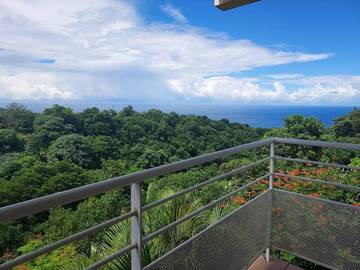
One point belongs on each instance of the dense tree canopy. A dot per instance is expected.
(348, 125)
(9, 141)
(72, 148)
(68, 116)
(16, 116)
(60, 149)
(47, 128)
(298, 126)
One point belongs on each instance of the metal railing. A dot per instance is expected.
(38, 205)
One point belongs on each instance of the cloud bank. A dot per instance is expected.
(103, 49)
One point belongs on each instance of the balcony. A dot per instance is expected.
(321, 231)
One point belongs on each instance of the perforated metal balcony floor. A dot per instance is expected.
(273, 264)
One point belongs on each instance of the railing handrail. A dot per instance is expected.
(47, 202)
(345, 146)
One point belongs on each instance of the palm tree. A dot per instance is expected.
(116, 238)
(118, 235)
(168, 213)
(80, 261)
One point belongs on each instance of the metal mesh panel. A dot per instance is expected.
(233, 243)
(322, 231)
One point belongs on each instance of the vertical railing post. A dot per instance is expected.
(136, 227)
(272, 162)
(271, 178)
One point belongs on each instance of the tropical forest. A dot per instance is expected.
(60, 149)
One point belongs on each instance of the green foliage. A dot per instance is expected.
(9, 141)
(69, 117)
(113, 168)
(87, 214)
(41, 179)
(50, 261)
(298, 126)
(118, 235)
(348, 125)
(167, 213)
(102, 148)
(16, 116)
(355, 162)
(11, 164)
(340, 156)
(304, 127)
(12, 235)
(60, 149)
(96, 122)
(47, 128)
(71, 148)
(115, 238)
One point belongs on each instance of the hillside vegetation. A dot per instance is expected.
(59, 149)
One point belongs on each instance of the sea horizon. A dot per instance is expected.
(262, 116)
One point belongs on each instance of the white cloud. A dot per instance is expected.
(66, 17)
(103, 49)
(327, 89)
(314, 90)
(284, 76)
(32, 86)
(174, 13)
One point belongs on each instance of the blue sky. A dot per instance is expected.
(270, 52)
(308, 25)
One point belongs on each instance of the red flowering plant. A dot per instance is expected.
(320, 190)
(240, 200)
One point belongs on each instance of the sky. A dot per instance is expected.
(270, 52)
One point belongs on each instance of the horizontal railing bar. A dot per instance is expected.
(75, 237)
(318, 181)
(207, 182)
(340, 204)
(171, 252)
(345, 146)
(113, 256)
(334, 165)
(198, 211)
(37, 205)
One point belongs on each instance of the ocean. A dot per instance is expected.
(264, 116)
